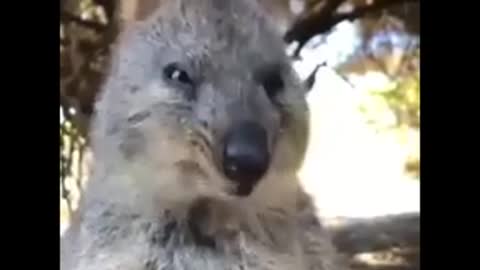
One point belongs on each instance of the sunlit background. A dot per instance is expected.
(360, 155)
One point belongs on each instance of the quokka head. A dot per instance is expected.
(202, 98)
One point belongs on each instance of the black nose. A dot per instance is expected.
(245, 156)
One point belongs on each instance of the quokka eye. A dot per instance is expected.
(180, 77)
(271, 80)
(174, 73)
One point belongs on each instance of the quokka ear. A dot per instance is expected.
(309, 82)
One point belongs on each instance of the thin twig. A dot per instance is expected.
(299, 29)
(363, 10)
(322, 21)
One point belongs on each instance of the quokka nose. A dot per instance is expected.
(245, 156)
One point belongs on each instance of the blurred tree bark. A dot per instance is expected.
(394, 239)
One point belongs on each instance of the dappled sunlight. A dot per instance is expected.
(371, 80)
(76, 163)
(351, 169)
(394, 257)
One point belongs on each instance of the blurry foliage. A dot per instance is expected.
(72, 150)
(396, 108)
(404, 100)
(400, 100)
(390, 57)
(86, 33)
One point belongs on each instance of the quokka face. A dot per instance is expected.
(202, 89)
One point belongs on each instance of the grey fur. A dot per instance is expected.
(157, 199)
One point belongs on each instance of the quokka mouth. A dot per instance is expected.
(244, 190)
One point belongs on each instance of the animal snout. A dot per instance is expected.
(246, 157)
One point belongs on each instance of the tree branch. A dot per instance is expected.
(363, 10)
(318, 22)
(301, 29)
(299, 32)
(375, 234)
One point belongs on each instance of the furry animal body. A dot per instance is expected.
(198, 134)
